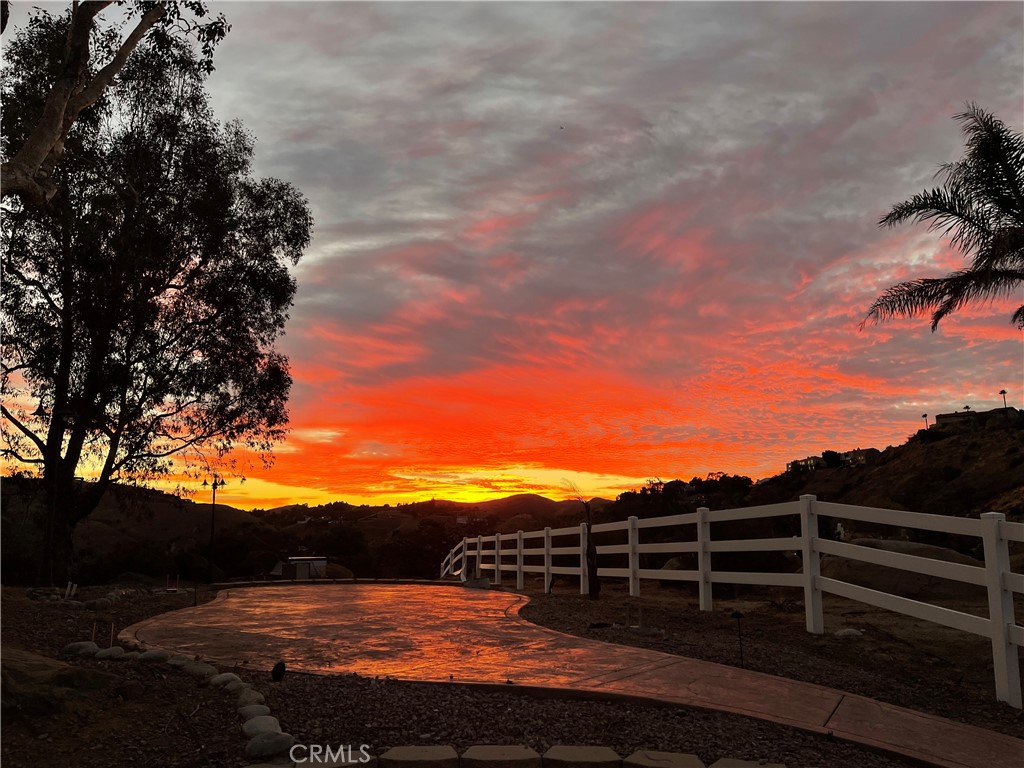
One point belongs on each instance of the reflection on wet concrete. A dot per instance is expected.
(437, 633)
(420, 632)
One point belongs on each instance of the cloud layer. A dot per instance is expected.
(607, 242)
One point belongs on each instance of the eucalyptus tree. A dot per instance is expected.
(980, 207)
(141, 307)
(75, 84)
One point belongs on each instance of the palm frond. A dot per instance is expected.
(995, 161)
(947, 210)
(980, 207)
(943, 295)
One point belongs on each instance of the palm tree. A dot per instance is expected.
(981, 207)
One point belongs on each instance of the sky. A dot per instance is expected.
(598, 243)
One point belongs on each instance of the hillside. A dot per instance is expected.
(961, 472)
(973, 467)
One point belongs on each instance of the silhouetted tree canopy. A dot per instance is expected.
(141, 307)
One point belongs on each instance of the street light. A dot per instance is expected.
(1003, 393)
(218, 482)
(925, 417)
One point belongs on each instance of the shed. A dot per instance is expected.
(304, 568)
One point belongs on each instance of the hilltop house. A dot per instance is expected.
(858, 457)
(961, 419)
(810, 463)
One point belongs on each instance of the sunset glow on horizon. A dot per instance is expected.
(595, 244)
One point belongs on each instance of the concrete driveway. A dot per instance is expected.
(441, 633)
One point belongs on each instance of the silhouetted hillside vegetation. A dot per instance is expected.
(973, 466)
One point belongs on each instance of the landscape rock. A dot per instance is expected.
(223, 679)
(131, 655)
(254, 726)
(114, 652)
(250, 696)
(178, 660)
(647, 758)
(268, 745)
(82, 648)
(200, 669)
(581, 757)
(849, 632)
(253, 710)
(236, 686)
(156, 655)
(420, 757)
(486, 756)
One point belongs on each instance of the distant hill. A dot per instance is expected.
(964, 468)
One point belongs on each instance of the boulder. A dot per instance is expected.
(34, 685)
(155, 656)
(113, 652)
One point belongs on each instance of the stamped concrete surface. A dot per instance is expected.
(442, 633)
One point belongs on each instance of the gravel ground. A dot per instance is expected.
(157, 715)
(385, 713)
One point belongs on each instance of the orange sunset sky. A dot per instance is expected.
(603, 243)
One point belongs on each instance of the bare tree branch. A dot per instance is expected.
(23, 429)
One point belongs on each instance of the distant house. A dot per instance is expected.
(858, 457)
(964, 419)
(810, 463)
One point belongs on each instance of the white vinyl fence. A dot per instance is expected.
(533, 552)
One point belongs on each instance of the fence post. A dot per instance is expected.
(1000, 610)
(465, 560)
(497, 559)
(479, 555)
(584, 574)
(519, 560)
(634, 559)
(704, 558)
(547, 559)
(812, 565)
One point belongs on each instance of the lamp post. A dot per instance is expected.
(218, 482)
(1003, 393)
(925, 417)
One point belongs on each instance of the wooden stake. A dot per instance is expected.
(111, 635)
(94, 631)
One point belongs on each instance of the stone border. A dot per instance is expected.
(267, 742)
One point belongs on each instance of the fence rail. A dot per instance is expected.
(508, 555)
